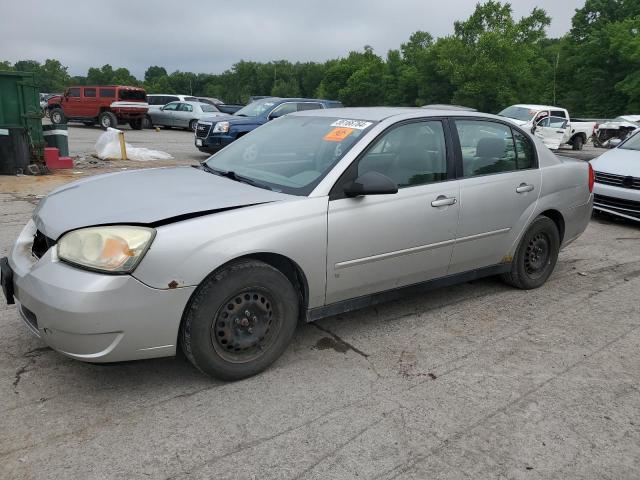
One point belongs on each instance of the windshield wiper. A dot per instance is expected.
(234, 176)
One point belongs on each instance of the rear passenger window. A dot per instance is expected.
(308, 106)
(411, 154)
(90, 92)
(525, 156)
(487, 147)
(185, 107)
(108, 92)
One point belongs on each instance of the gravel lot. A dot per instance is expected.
(473, 381)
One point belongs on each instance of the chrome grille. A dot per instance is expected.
(620, 205)
(618, 180)
(202, 130)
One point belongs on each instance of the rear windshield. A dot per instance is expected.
(519, 113)
(133, 95)
(208, 108)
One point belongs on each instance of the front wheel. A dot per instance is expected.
(239, 320)
(536, 255)
(58, 117)
(192, 125)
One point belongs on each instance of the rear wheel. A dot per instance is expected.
(107, 120)
(147, 122)
(536, 255)
(58, 117)
(240, 320)
(136, 124)
(578, 142)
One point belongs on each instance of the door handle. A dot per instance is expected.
(559, 131)
(524, 187)
(443, 201)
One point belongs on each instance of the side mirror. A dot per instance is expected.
(371, 183)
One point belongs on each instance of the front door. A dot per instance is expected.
(381, 242)
(553, 131)
(72, 103)
(499, 188)
(166, 114)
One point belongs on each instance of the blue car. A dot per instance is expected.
(214, 133)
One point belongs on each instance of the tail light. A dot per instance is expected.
(592, 178)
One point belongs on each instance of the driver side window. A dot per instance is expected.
(411, 154)
(171, 106)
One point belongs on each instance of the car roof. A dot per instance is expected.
(282, 99)
(377, 114)
(536, 107)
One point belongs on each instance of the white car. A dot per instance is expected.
(182, 114)
(617, 180)
(552, 125)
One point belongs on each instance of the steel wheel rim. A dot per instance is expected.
(106, 123)
(56, 118)
(245, 325)
(537, 255)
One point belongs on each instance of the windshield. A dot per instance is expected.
(133, 95)
(256, 108)
(519, 113)
(632, 143)
(208, 108)
(292, 154)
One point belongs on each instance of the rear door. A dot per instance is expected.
(183, 115)
(381, 242)
(499, 188)
(90, 102)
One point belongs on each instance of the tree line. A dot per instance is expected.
(490, 61)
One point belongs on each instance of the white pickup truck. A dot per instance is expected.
(552, 124)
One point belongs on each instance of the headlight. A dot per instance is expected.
(221, 127)
(116, 249)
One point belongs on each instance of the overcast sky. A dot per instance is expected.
(209, 36)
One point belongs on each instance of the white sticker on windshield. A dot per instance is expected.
(357, 124)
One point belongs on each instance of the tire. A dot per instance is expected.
(147, 122)
(239, 320)
(578, 143)
(107, 120)
(136, 124)
(536, 255)
(58, 117)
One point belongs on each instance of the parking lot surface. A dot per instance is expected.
(474, 381)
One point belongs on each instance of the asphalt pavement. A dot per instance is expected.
(474, 381)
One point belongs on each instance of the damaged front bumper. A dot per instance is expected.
(92, 316)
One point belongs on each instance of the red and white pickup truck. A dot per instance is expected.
(552, 124)
(106, 105)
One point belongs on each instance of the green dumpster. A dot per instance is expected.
(20, 109)
(57, 136)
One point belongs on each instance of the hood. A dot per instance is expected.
(616, 125)
(143, 197)
(54, 100)
(232, 119)
(618, 162)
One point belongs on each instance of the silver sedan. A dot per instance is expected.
(314, 214)
(182, 114)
